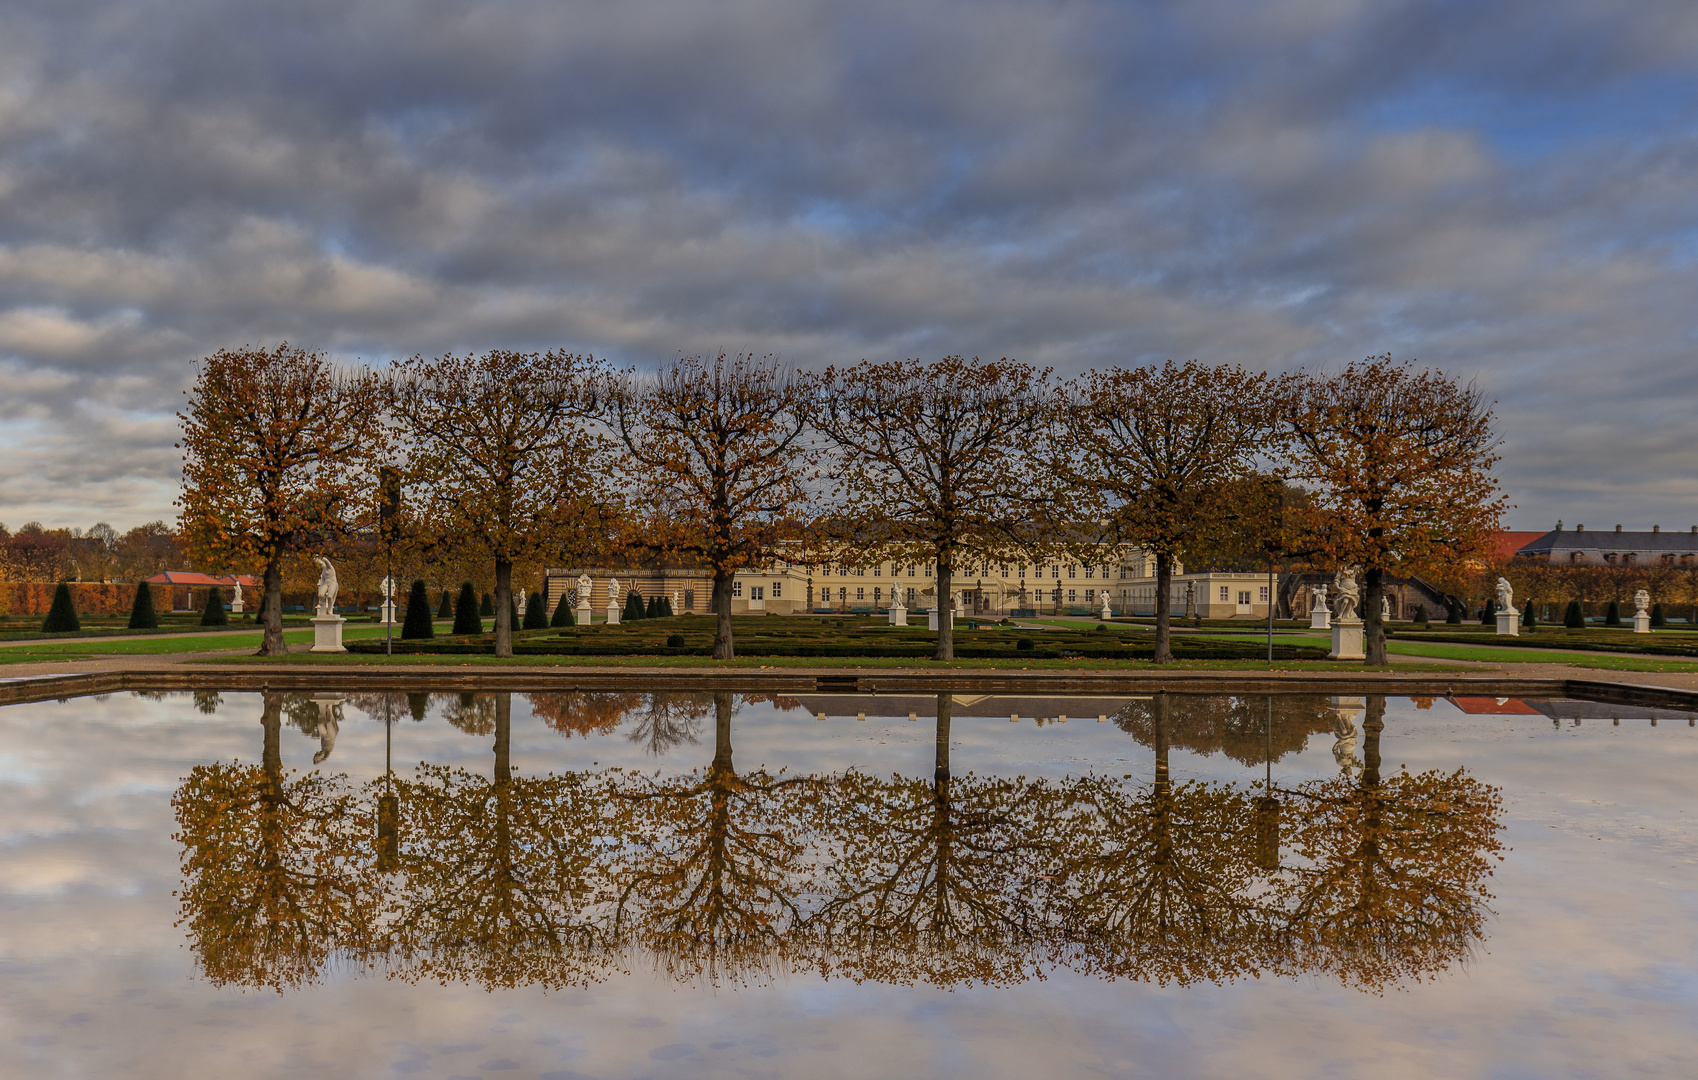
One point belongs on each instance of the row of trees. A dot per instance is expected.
(732, 462)
(99, 553)
(728, 875)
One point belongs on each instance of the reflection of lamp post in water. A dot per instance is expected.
(388, 804)
(1265, 812)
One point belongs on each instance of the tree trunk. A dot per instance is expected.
(272, 644)
(271, 754)
(723, 647)
(945, 611)
(722, 735)
(503, 739)
(1164, 608)
(940, 768)
(1372, 725)
(503, 607)
(1375, 653)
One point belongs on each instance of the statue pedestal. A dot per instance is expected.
(1509, 623)
(898, 615)
(1107, 612)
(235, 607)
(388, 614)
(1347, 640)
(327, 633)
(1320, 618)
(612, 613)
(585, 614)
(1641, 622)
(931, 619)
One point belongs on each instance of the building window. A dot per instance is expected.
(1090, 596)
(860, 594)
(929, 570)
(1072, 596)
(1630, 558)
(1073, 570)
(1055, 596)
(777, 589)
(1055, 571)
(1090, 571)
(860, 571)
(756, 593)
(910, 596)
(1610, 558)
(842, 595)
(1261, 592)
(1574, 556)
(1244, 597)
(1224, 594)
(911, 570)
(737, 589)
(689, 599)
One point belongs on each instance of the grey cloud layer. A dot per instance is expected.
(1077, 184)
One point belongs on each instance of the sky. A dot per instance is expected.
(1504, 191)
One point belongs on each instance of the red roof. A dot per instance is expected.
(1485, 706)
(1507, 543)
(189, 577)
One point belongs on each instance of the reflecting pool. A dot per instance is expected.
(669, 884)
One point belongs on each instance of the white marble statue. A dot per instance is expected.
(328, 587)
(1108, 612)
(1349, 594)
(236, 595)
(1506, 596)
(1385, 607)
(676, 602)
(613, 590)
(522, 600)
(1319, 592)
(387, 588)
(1641, 602)
(584, 587)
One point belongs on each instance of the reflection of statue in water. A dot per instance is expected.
(1349, 593)
(1506, 596)
(327, 587)
(1344, 745)
(329, 722)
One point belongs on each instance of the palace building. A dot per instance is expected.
(996, 590)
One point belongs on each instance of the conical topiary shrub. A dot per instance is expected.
(488, 605)
(466, 619)
(417, 624)
(666, 607)
(536, 613)
(633, 607)
(1574, 618)
(651, 610)
(62, 616)
(446, 609)
(213, 613)
(563, 613)
(1453, 612)
(1489, 613)
(1657, 618)
(142, 615)
(513, 620)
(1612, 614)
(1420, 615)
(1529, 621)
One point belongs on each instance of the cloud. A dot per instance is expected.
(1501, 190)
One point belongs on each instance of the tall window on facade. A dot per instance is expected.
(737, 589)
(910, 596)
(689, 599)
(1261, 594)
(842, 595)
(1072, 570)
(878, 595)
(860, 594)
(1071, 594)
(777, 589)
(1091, 571)
(1225, 595)
(1090, 596)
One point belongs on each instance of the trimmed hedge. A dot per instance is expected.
(417, 625)
(62, 616)
(142, 614)
(213, 614)
(1574, 618)
(466, 617)
(446, 610)
(536, 612)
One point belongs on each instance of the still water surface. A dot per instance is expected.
(624, 885)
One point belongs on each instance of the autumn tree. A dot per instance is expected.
(722, 465)
(1161, 456)
(279, 448)
(502, 457)
(1399, 464)
(934, 463)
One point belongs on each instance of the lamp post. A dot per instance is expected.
(389, 518)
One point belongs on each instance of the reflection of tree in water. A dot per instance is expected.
(717, 875)
(272, 885)
(381, 706)
(1235, 726)
(496, 877)
(715, 882)
(1391, 879)
(207, 701)
(583, 713)
(472, 713)
(671, 719)
(934, 880)
(1161, 885)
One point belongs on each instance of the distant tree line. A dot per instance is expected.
(508, 460)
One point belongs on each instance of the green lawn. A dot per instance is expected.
(52, 651)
